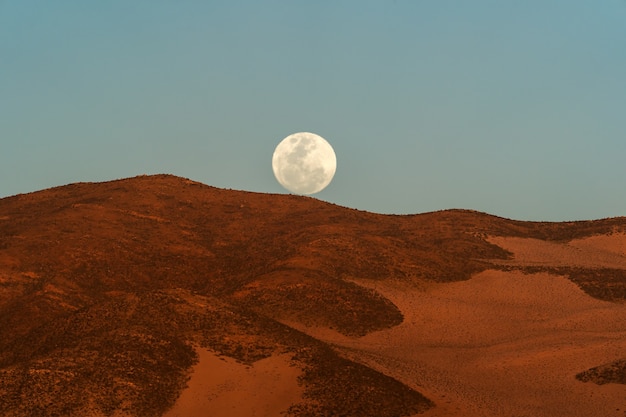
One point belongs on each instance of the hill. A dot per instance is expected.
(110, 293)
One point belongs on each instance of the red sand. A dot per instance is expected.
(505, 343)
(500, 344)
(604, 251)
(222, 387)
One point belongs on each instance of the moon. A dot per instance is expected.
(304, 163)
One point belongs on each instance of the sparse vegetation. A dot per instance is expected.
(614, 372)
(106, 288)
(339, 387)
(602, 283)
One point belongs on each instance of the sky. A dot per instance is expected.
(514, 108)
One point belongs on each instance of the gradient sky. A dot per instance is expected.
(515, 108)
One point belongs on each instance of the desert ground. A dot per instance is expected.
(504, 343)
(228, 388)
(160, 296)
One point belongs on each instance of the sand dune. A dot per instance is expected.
(602, 251)
(504, 343)
(500, 344)
(222, 387)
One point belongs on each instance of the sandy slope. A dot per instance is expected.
(476, 346)
(502, 344)
(222, 387)
(505, 343)
(603, 251)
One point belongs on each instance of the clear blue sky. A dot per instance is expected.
(515, 108)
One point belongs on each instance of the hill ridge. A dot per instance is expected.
(124, 265)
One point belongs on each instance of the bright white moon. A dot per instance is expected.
(304, 163)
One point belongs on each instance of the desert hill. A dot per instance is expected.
(116, 296)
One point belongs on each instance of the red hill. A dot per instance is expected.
(108, 290)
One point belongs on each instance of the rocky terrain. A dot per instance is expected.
(144, 296)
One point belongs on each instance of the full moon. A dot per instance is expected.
(304, 163)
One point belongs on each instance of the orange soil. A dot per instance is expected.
(499, 344)
(603, 251)
(223, 387)
(505, 343)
